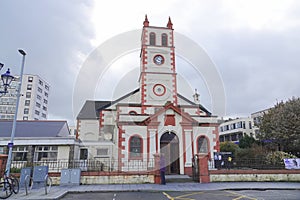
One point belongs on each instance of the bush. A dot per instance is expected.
(276, 158)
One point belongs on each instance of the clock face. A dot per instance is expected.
(159, 90)
(158, 59)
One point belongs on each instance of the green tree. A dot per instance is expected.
(281, 125)
(246, 142)
(228, 147)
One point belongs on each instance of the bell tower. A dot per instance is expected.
(157, 66)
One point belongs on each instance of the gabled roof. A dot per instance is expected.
(91, 109)
(175, 109)
(35, 129)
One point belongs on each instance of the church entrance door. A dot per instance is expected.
(169, 146)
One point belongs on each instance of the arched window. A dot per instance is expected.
(202, 145)
(132, 112)
(152, 38)
(164, 40)
(135, 147)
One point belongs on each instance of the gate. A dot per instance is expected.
(195, 168)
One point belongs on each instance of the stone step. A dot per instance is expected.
(178, 179)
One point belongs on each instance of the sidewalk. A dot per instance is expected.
(57, 192)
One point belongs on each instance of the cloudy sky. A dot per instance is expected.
(255, 46)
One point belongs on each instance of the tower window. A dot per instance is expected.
(164, 40)
(152, 38)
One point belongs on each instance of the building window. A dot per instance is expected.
(132, 112)
(25, 118)
(83, 154)
(45, 101)
(28, 94)
(44, 115)
(152, 38)
(202, 145)
(250, 125)
(46, 153)
(135, 147)
(37, 104)
(38, 97)
(41, 82)
(26, 111)
(27, 102)
(29, 87)
(164, 40)
(37, 112)
(46, 94)
(40, 90)
(46, 87)
(44, 108)
(19, 153)
(30, 79)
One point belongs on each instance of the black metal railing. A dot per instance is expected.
(105, 165)
(251, 163)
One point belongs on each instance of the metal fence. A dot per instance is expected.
(251, 163)
(97, 165)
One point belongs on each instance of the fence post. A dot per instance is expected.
(203, 168)
(156, 168)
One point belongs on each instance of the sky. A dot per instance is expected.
(254, 45)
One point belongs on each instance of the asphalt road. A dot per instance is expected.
(203, 195)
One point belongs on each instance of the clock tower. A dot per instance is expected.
(157, 68)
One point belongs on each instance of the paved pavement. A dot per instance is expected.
(57, 192)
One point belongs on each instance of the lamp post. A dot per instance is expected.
(13, 131)
(6, 79)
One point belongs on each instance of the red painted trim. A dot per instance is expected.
(101, 120)
(120, 139)
(78, 129)
(157, 94)
(170, 120)
(156, 140)
(148, 145)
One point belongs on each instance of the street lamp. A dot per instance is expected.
(13, 131)
(6, 79)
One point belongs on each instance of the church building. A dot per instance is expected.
(151, 120)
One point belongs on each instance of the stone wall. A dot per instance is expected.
(88, 179)
(254, 175)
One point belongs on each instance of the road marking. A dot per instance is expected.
(168, 196)
(182, 197)
(240, 196)
(186, 195)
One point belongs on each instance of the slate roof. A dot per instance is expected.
(91, 109)
(35, 128)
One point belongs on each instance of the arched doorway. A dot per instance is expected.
(169, 145)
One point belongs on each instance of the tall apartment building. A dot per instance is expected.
(33, 103)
